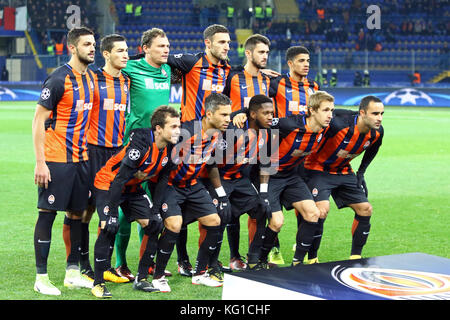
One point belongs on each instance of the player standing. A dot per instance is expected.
(244, 83)
(329, 171)
(204, 72)
(59, 132)
(105, 133)
(291, 91)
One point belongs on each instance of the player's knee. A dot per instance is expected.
(312, 214)
(213, 220)
(143, 222)
(174, 224)
(365, 210)
(276, 222)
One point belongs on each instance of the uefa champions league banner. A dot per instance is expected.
(407, 96)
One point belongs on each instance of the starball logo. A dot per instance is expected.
(394, 283)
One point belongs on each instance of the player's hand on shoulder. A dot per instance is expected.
(271, 73)
(239, 120)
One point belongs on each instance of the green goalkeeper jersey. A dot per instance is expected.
(149, 89)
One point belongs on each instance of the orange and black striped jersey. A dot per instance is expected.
(107, 124)
(290, 96)
(242, 86)
(200, 77)
(238, 149)
(69, 96)
(138, 161)
(342, 143)
(192, 153)
(295, 142)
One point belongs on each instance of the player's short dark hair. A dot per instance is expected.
(364, 104)
(150, 34)
(257, 101)
(210, 31)
(107, 42)
(253, 40)
(294, 51)
(214, 100)
(75, 33)
(160, 115)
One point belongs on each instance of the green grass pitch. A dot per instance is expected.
(408, 182)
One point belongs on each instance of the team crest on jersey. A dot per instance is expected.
(164, 73)
(315, 192)
(106, 210)
(310, 90)
(134, 154)
(164, 161)
(45, 94)
(51, 199)
(222, 144)
(92, 85)
(125, 88)
(215, 202)
(366, 144)
(275, 121)
(164, 207)
(261, 142)
(319, 138)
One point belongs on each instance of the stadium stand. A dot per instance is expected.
(413, 34)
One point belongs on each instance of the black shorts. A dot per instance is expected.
(342, 187)
(190, 202)
(98, 156)
(286, 190)
(134, 205)
(241, 192)
(69, 188)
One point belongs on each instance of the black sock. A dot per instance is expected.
(305, 237)
(233, 233)
(181, 245)
(42, 239)
(148, 251)
(207, 248)
(276, 243)
(101, 255)
(254, 249)
(267, 243)
(72, 238)
(166, 244)
(214, 259)
(84, 245)
(360, 232)
(312, 253)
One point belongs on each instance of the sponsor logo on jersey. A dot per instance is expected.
(151, 84)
